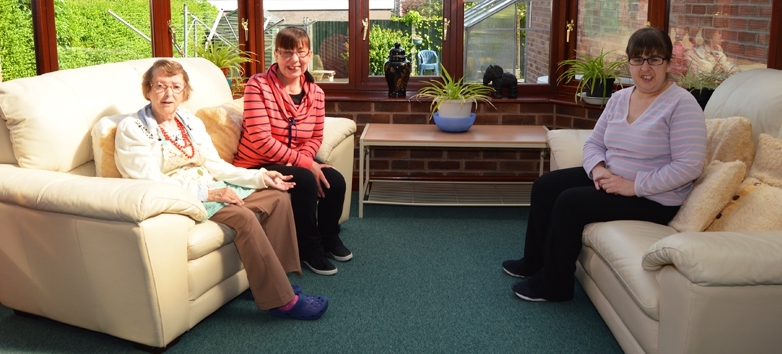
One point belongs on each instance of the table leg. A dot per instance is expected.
(361, 182)
(542, 158)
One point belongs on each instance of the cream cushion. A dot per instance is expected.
(567, 147)
(224, 124)
(711, 192)
(103, 134)
(758, 204)
(729, 139)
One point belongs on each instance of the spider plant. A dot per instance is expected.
(226, 57)
(454, 90)
(591, 70)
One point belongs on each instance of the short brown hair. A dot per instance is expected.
(292, 38)
(170, 68)
(649, 41)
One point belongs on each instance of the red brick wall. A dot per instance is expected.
(458, 163)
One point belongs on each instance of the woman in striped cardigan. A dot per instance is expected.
(282, 131)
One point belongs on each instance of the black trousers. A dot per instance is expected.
(317, 219)
(561, 204)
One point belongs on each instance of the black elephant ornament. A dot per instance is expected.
(499, 80)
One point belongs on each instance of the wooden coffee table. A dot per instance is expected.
(446, 193)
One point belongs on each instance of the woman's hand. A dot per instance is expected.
(276, 180)
(224, 195)
(599, 173)
(316, 170)
(612, 183)
(617, 185)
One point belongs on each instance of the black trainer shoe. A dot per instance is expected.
(321, 265)
(513, 268)
(523, 291)
(340, 253)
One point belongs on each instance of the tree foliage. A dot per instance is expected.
(17, 55)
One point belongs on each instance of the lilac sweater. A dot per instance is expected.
(663, 151)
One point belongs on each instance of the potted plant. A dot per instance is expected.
(229, 59)
(702, 83)
(596, 74)
(452, 101)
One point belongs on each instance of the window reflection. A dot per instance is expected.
(607, 24)
(719, 35)
(327, 26)
(511, 34)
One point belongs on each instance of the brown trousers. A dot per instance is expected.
(268, 249)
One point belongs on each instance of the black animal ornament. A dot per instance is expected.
(500, 79)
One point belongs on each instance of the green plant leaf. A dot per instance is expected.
(458, 90)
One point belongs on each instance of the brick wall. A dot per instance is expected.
(464, 164)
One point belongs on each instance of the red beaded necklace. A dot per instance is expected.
(185, 138)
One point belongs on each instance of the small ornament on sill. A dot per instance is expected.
(397, 70)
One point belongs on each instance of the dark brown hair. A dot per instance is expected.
(292, 38)
(169, 68)
(649, 41)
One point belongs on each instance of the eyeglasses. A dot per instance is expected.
(160, 87)
(653, 61)
(287, 54)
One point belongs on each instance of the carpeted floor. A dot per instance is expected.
(423, 279)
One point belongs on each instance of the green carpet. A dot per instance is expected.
(423, 279)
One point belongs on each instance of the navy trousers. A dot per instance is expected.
(317, 219)
(561, 204)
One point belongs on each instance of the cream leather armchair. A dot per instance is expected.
(118, 256)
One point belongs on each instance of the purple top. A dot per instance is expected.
(663, 151)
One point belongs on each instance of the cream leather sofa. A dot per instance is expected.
(715, 292)
(122, 257)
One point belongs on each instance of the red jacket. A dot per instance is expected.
(275, 130)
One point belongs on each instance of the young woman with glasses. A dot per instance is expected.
(282, 131)
(640, 161)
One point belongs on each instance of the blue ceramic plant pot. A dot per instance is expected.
(454, 125)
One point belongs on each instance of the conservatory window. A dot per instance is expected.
(17, 53)
(720, 34)
(84, 45)
(512, 34)
(326, 22)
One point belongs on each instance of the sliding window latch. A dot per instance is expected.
(570, 27)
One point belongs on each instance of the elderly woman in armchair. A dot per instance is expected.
(164, 143)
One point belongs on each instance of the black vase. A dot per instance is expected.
(397, 70)
(595, 88)
(702, 96)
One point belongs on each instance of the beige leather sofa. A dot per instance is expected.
(122, 257)
(712, 292)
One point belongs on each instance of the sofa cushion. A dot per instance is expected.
(224, 124)
(335, 131)
(757, 206)
(711, 192)
(622, 245)
(567, 147)
(103, 134)
(207, 237)
(729, 139)
(768, 160)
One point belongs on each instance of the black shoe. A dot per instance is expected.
(321, 265)
(340, 253)
(523, 291)
(513, 268)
